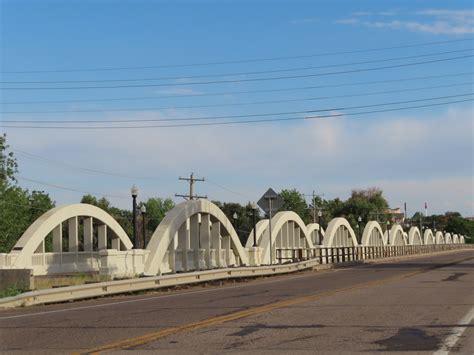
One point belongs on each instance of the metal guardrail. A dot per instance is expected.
(317, 256)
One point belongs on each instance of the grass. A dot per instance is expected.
(10, 291)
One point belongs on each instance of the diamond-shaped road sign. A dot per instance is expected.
(264, 202)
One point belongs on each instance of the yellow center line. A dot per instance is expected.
(151, 337)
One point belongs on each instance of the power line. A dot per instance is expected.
(238, 61)
(239, 80)
(26, 206)
(242, 122)
(238, 73)
(48, 209)
(238, 92)
(216, 105)
(79, 168)
(227, 189)
(69, 188)
(244, 115)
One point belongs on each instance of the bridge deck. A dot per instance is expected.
(411, 305)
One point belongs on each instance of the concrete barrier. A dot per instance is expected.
(21, 279)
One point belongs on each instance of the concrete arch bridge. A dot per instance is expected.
(195, 235)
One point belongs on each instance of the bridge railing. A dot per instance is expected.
(333, 255)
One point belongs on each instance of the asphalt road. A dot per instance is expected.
(422, 304)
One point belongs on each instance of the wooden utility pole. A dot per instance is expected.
(191, 180)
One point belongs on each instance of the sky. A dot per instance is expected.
(162, 63)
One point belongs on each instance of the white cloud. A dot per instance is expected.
(434, 21)
(398, 152)
(348, 21)
(438, 27)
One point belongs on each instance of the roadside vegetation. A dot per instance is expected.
(10, 291)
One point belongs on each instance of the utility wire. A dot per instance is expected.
(48, 209)
(225, 188)
(80, 168)
(239, 92)
(220, 105)
(240, 80)
(87, 170)
(69, 188)
(284, 70)
(238, 61)
(26, 206)
(202, 118)
(240, 122)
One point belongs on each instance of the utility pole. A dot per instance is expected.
(313, 206)
(191, 180)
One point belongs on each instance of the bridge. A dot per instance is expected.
(391, 291)
(197, 235)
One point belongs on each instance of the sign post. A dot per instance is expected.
(268, 202)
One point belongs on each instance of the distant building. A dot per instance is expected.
(396, 215)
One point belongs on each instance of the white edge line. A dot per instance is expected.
(156, 297)
(456, 333)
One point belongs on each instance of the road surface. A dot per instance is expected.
(421, 304)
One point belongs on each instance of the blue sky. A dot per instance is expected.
(414, 155)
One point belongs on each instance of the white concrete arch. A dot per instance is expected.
(448, 239)
(455, 239)
(397, 236)
(373, 235)
(462, 240)
(262, 225)
(414, 236)
(339, 233)
(316, 233)
(439, 237)
(405, 237)
(187, 225)
(428, 237)
(51, 221)
(288, 232)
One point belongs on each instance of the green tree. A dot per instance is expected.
(244, 222)
(18, 207)
(367, 204)
(295, 201)
(8, 165)
(156, 209)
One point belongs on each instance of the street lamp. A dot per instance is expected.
(254, 217)
(320, 214)
(359, 225)
(199, 231)
(143, 211)
(388, 233)
(134, 192)
(235, 216)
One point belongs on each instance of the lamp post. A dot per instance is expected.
(388, 233)
(134, 192)
(320, 214)
(199, 231)
(235, 216)
(143, 211)
(254, 220)
(359, 225)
